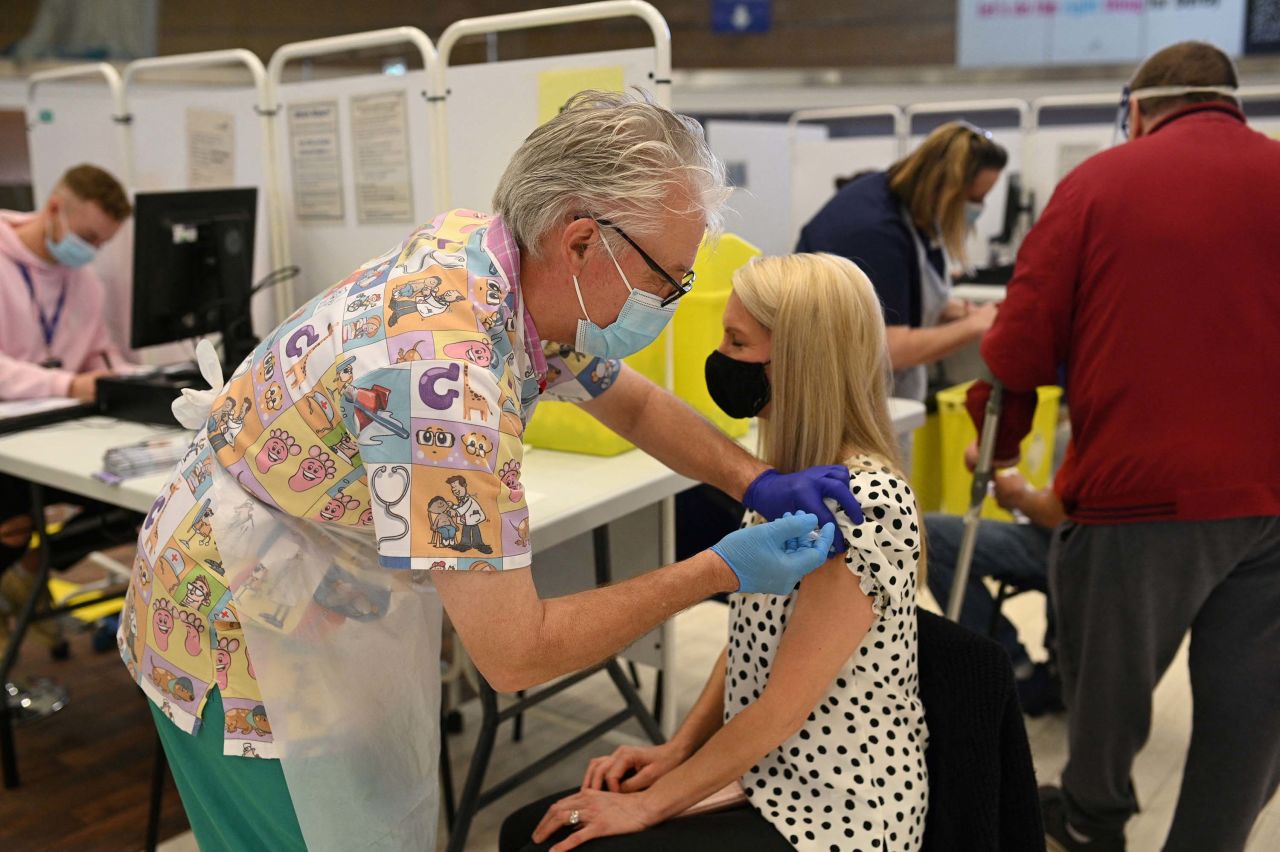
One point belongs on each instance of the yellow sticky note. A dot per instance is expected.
(556, 87)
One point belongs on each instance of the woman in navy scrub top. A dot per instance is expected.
(906, 227)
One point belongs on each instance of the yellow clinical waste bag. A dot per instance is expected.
(926, 464)
(956, 432)
(697, 329)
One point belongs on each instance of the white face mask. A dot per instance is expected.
(972, 212)
(72, 250)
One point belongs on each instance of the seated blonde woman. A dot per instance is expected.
(810, 733)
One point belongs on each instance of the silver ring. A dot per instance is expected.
(574, 817)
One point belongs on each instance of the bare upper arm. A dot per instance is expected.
(831, 617)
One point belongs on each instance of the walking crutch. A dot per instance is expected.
(982, 473)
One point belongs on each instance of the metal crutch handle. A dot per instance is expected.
(982, 473)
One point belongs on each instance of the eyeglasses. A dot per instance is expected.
(681, 287)
(1122, 117)
(978, 132)
(433, 437)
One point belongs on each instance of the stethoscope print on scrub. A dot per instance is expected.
(389, 505)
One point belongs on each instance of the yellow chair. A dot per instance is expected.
(696, 326)
(64, 592)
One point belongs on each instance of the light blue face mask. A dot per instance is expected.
(639, 323)
(72, 250)
(972, 212)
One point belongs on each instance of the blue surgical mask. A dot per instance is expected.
(72, 250)
(639, 323)
(972, 212)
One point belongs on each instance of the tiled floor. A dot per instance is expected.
(700, 636)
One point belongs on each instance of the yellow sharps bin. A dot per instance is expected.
(956, 432)
(697, 330)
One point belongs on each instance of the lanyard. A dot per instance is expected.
(47, 325)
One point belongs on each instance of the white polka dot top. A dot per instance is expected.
(853, 778)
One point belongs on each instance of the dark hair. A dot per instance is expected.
(458, 479)
(90, 183)
(1187, 63)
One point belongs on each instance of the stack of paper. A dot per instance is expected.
(145, 457)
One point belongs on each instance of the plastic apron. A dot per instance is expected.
(935, 292)
(347, 657)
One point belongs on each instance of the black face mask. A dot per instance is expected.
(740, 388)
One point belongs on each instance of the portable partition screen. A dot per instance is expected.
(77, 115)
(358, 161)
(1065, 131)
(828, 144)
(207, 136)
(493, 106)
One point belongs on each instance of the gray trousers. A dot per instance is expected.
(1125, 596)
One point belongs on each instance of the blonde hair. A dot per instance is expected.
(933, 181)
(829, 368)
(616, 156)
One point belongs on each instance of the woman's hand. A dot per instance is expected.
(599, 814)
(648, 763)
(956, 309)
(981, 318)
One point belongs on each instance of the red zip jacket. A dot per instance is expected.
(1154, 276)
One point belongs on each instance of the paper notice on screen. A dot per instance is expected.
(317, 161)
(380, 146)
(211, 149)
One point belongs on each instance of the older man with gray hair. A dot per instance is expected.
(318, 641)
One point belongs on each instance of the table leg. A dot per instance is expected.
(446, 778)
(635, 702)
(469, 804)
(474, 797)
(8, 754)
(666, 710)
(157, 796)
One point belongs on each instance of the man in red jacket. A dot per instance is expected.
(1154, 277)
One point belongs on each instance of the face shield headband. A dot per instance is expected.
(1127, 95)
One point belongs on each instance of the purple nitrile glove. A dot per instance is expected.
(773, 494)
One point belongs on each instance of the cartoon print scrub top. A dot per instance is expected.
(414, 374)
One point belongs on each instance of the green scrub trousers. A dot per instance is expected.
(235, 804)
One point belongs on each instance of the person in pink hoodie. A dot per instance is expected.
(53, 341)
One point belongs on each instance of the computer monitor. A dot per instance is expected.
(1014, 207)
(193, 268)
